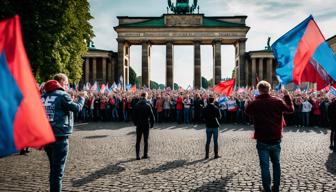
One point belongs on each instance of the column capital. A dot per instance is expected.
(170, 42)
(146, 41)
(197, 41)
(242, 40)
(216, 41)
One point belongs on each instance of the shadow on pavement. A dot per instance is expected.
(95, 137)
(108, 170)
(91, 126)
(169, 166)
(331, 163)
(216, 185)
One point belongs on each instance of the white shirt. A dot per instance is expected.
(306, 106)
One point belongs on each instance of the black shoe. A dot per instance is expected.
(331, 147)
(137, 158)
(145, 157)
(207, 148)
(217, 156)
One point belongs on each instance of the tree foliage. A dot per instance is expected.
(154, 85)
(204, 83)
(176, 86)
(55, 34)
(132, 76)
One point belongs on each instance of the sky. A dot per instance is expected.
(266, 18)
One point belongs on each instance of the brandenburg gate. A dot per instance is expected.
(181, 29)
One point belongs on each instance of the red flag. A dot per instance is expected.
(133, 89)
(23, 121)
(225, 87)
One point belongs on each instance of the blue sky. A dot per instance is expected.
(267, 18)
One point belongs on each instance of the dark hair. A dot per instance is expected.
(211, 99)
(143, 95)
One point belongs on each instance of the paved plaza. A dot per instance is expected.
(102, 158)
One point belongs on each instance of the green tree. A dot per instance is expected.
(161, 86)
(154, 85)
(204, 83)
(55, 34)
(176, 86)
(210, 83)
(132, 76)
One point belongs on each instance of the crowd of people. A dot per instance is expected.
(311, 109)
(144, 107)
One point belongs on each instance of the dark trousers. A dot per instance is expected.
(57, 154)
(139, 132)
(266, 153)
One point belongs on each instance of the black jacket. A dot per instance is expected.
(143, 116)
(212, 116)
(332, 114)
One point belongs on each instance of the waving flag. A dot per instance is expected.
(332, 90)
(23, 121)
(225, 87)
(133, 89)
(102, 88)
(303, 55)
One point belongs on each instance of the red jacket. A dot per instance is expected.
(267, 114)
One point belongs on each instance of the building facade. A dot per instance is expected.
(100, 65)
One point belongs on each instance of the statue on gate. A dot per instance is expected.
(182, 6)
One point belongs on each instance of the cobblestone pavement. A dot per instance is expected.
(102, 159)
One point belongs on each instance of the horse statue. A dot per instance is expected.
(182, 6)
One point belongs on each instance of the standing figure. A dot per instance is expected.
(212, 117)
(267, 114)
(59, 107)
(332, 119)
(143, 120)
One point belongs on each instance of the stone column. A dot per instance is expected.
(261, 69)
(109, 70)
(270, 70)
(123, 54)
(217, 77)
(114, 63)
(246, 73)
(146, 64)
(87, 69)
(170, 65)
(241, 52)
(197, 65)
(94, 69)
(254, 71)
(104, 69)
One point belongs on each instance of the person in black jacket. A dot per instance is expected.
(332, 119)
(143, 120)
(212, 116)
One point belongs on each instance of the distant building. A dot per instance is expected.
(100, 65)
(332, 42)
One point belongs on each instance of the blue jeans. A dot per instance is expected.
(186, 115)
(305, 118)
(57, 154)
(209, 133)
(115, 115)
(267, 152)
(178, 116)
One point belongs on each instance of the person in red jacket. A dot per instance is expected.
(179, 108)
(267, 114)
